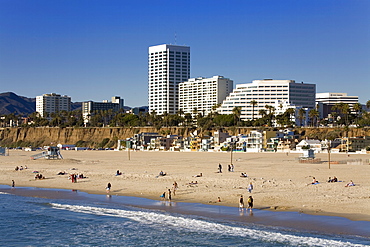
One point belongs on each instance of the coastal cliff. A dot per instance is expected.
(107, 137)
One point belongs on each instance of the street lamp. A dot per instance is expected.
(231, 153)
(329, 149)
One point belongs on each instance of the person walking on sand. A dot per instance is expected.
(241, 203)
(219, 168)
(250, 187)
(13, 184)
(250, 203)
(108, 187)
(175, 186)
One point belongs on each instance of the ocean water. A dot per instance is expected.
(98, 220)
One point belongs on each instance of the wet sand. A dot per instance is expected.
(283, 220)
(280, 181)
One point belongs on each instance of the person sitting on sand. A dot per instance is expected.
(199, 175)
(314, 181)
(118, 173)
(334, 180)
(351, 183)
(161, 173)
(243, 175)
(16, 168)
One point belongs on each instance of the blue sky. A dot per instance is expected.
(95, 49)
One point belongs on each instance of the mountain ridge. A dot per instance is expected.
(20, 105)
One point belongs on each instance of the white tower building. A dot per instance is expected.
(268, 92)
(52, 103)
(168, 66)
(203, 93)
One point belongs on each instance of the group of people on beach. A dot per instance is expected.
(20, 168)
(39, 176)
(241, 203)
(332, 180)
(169, 192)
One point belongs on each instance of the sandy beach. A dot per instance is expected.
(280, 182)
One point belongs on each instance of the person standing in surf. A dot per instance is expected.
(241, 203)
(108, 187)
(250, 203)
(169, 195)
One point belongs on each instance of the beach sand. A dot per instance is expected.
(280, 181)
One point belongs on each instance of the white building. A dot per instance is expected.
(168, 66)
(326, 101)
(52, 103)
(203, 93)
(268, 92)
(282, 106)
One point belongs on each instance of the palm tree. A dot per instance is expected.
(368, 104)
(344, 109)
(237, 111)
(253, 103)
(262, 112)
(357, 108)
(270, 109)
(313, 114)
(301, 115)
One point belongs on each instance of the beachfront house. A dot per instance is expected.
(309, 144)
(357, 144)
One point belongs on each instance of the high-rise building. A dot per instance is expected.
(168, 66)
(201, 94)
(252, 97)
(52, 103)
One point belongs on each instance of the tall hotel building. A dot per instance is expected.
(326, 101)
(168, 66)
(52, 103)
(203, 93)
(268, 92)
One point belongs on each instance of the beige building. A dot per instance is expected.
(201, 94)
(52, 103)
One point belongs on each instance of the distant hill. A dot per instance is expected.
(12, 103)
(20, 105)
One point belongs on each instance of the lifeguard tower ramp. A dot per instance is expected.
(2, 151)
(52, 153)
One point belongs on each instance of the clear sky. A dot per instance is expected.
(96, 49)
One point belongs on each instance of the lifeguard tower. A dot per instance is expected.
(51, 153)
(308, 156)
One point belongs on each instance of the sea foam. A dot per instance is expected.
(196, 225)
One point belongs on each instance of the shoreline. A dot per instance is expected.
(282, 219)
(351, 217)
(280, 182)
